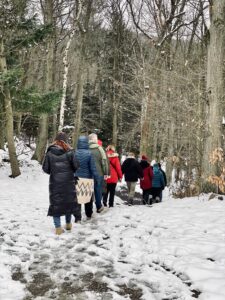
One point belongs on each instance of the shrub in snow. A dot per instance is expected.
(217, 159)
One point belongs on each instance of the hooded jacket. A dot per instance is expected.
(101, 160)
(146, 182)
(87, 168)
(61, 165)
(158, 179)
(115, 168)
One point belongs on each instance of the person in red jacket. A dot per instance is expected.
(146, 182)
(115, 175)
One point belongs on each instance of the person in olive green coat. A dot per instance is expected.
(102, 166)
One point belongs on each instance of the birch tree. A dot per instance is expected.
(76, 11)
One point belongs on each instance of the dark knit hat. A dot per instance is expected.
(144, 157)
(61, 136)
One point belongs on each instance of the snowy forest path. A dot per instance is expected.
(125, 253)
(80, 263)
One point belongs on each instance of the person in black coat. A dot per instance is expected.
(132, 172)
(61, 164)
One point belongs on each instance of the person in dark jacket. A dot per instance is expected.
(158, 183)
(165, 180)
(132, 172)
(115, 175)
(87, 169)
(146, 182)
(61, 164)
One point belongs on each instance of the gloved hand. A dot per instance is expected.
(76, 179)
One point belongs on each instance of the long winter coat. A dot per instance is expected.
(61, 166)
(146, 182)
(158, 179)
(115, 168)
(132, 170)
(87, 168)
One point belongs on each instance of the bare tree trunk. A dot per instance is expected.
(171, 111)
(9, 135)
(18, 120)
(115, 117)
(79, 100)
(146, 123)
(155, 152)
(201, 123)
(145, 112)
(169, 165)
(81, 71)
(2, 125)
(54, 124)
(115, 98)
(26, 60)
(42, 138)
(148, 136)
(116, 101)
(43, 121)
(98, 79)
(9, 117)
(215, 86)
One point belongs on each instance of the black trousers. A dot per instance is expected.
(145, 195)
(111, 189)
(156, 192)
(88, 207)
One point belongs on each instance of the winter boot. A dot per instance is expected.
(145, 199)
(78, 221)
(157, 199)
(68, 226)
(59, 230)
(150, 200)
(100, 209)
(130, 201)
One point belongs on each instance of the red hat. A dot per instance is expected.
(99, 142)
(144, 157)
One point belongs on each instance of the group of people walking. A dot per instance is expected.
(153, 182)
(67, 166)
(152, 179)
(90, 161)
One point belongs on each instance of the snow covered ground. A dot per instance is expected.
(173, 250)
